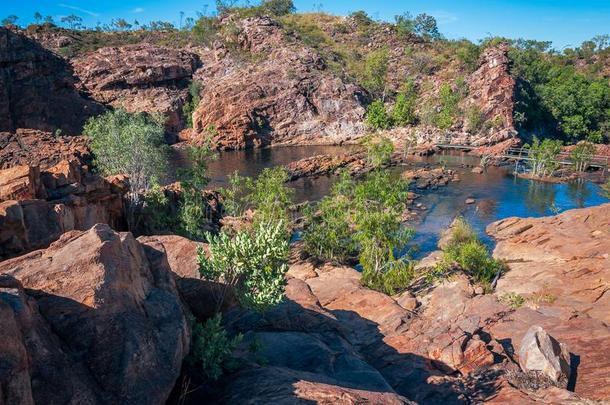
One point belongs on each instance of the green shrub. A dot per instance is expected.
(448, 100)
(475, 119)
(191, 105)
(543, 156)
(465, 251)
(404, 24)
(377, 116)
(212, 349)
(328, 235)
(268, 195)
(363, 218)
(379, 150)
(375, 72)
(581, 155)
(131, 144)
(253, 263)
(403, 112)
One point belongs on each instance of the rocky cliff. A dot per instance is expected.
(37, 88)
(285, 93)
(140, 78)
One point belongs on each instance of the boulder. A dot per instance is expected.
(99, 321)
(38, 89)
(140, 78)
(540, 354)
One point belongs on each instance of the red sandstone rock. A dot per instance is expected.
(140, 78)
(100, 322)
(37, 88)
(289, 96)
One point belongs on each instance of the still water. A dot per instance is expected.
(498, 193)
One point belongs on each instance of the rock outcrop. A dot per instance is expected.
(491, 88)
(43, 149)
(286, 94)
(37, 207)
(140, 78)
(37, 88)
(95, 319)
(560, 266)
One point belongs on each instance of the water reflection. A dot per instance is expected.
(540, 197)
(498, 193)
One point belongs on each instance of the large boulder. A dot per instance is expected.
(542, 355)
(140, 78)
(95, 318)
(37, 88)
(285, 95)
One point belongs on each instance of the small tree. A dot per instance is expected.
(375, 73)
(278, 8)
(425, 25)
(543, 156)
(404, 23)
(403, 112)
(73, 21)
(212, 348)
(191, 105)
(37, 17)
(379, 150)
(377, 117)
(448, 106)
(131, 144)
(120, 24)
(581, 155)
(10, 20)
(253, 263)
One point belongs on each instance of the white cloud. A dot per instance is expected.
(82, 10)
(137, 10)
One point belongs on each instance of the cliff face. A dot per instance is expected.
(37, 88)
(287, 94)
(140, 78)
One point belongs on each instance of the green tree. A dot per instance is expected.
(581, 155)
(253, 263)
(278, 8)
(363, 218)
(448, 106)
(191, 105)
(37, 17)
(73, 21)
(403, 112)
(543, 156)
(10, 20)
(425, 25)
(379, 150)
(131, 144)
(375, 72)
(404, 23)
(121, 24)
(377, 116)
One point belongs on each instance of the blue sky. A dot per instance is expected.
(566, 23)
